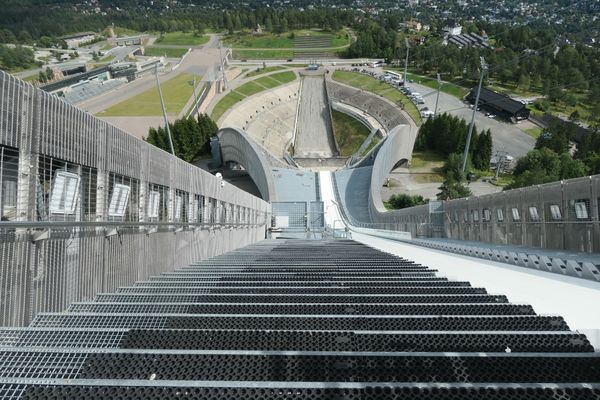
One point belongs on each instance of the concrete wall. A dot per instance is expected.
(239, 147)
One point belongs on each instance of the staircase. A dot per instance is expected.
(298, 319)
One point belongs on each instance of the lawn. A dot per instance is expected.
(426, 167)
(225, 104)
(283, 41)
(349, 133)
(426, 177)
(248, 89)
(376, 86)
(199, 88)
(176, 92)
(171, 52)
(534, 132)
(261, 71)
(426, 160)
(268, 82)
(284, 77)
(447, 87)
(274, 54)
(182, 39)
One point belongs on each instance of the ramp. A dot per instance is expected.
(314, 138)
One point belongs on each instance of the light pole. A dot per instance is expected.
(483, 69)
(406, 62)
(162, 104)
(193, 83)
(437, 98)
(222, 64)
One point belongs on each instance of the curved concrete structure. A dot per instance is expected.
(239, 147)
(397, 147)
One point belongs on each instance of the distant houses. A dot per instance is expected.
(469, 40)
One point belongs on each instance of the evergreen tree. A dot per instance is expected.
(482, 152)
(191, 138)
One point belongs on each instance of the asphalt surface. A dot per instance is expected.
(506, 137)
(198, 62)
(314, 136)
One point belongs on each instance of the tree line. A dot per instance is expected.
(446, 135)
(191, 137)
(553, 159)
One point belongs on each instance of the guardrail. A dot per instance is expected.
(85, 206)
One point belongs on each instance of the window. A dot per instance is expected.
(515, 214)
(119, 200)
(555, 212)
(475, 215)
(9, 166)
(466, 216)
(153, 203)
(177, 209)
(533, 213)
(500, 215)
(63, 199)
(487, 215)
(581, 211)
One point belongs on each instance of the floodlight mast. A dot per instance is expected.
(437, 98)
(484, 67)
(162, 104)
(406, 62)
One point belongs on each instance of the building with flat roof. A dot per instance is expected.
(499, 104)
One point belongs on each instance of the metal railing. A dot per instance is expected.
(86, 207)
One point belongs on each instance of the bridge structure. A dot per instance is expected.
(128, 273)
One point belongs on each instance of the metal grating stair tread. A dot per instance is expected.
(298, 319)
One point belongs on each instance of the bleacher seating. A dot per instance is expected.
(90, 89)
(267, 117)
(387, 114)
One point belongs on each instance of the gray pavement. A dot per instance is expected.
(402, 181)
(505, 136)
(314, 137)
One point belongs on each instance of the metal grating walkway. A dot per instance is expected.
(295, 319)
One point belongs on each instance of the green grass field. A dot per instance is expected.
(171, 52)
(447, 87)
(284, 77)
(266, 70)
(248, 89)
(426, 160)
(534, 132)
(176, 93)
(283, 41)
(268, 82)
(225, 104)
(182, 39)
(273, 54)
(349, 133)
(426, 167)
(199, 88)
(376, 86)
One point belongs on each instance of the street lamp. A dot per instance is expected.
(484, 67)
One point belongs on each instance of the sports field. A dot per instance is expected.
(176, 92)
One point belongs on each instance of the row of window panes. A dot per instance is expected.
(123, 193)
(580, 211)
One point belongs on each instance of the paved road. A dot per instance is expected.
(314, 137)
(506, 136)
(200, 61)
